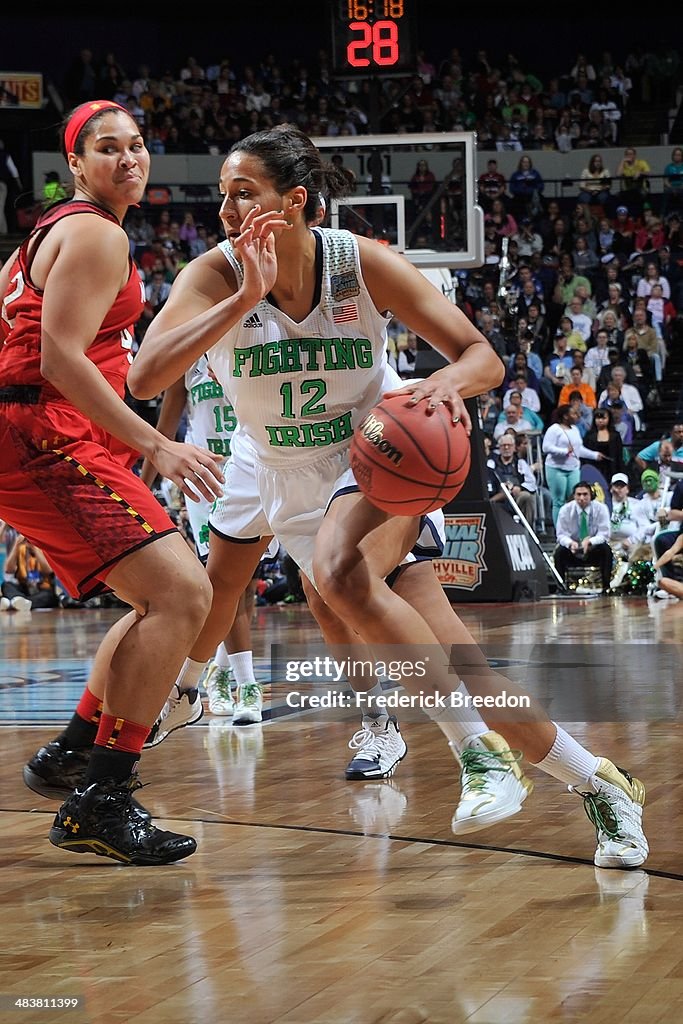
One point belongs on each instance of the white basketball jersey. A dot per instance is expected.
(299, 389)
(211, 419)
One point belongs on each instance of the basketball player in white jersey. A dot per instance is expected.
(211, 423)
(295, 329)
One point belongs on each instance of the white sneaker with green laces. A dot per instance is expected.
(249, 704)
(493, 785)
(218, 685)
(616, 810)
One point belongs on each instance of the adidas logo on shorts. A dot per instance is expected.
(252, 321)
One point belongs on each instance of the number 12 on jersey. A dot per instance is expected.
(315, 389)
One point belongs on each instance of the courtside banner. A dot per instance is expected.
(22, 90)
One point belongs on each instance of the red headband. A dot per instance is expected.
(81, 116)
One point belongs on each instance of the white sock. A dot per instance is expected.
(221, 657)
(188, 677)
(242, 665)
(459, 725)
(569, 762)
(374, 711)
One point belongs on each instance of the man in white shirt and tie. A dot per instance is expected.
(583, 532)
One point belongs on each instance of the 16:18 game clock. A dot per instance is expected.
(374, 36)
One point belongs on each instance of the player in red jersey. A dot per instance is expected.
(70, 297)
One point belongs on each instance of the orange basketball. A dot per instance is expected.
(409, 462)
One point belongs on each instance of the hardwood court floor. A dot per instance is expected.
(312, 900)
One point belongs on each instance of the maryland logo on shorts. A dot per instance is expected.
(462, 562)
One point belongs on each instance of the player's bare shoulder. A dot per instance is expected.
(211, 274)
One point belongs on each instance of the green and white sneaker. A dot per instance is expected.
(493, 785)
(616, 810)
(249, 704)
(218, 683)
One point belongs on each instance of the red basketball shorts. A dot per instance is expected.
(77, 501)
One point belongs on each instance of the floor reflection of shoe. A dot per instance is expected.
(379, 747)
(218, 683)
(249, 704)
(248, 742)
(493, 785)
(103, 820)
(616, 810)
(377, 806)
(181, 709)
(55, 772)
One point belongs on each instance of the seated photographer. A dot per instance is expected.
(583, 532)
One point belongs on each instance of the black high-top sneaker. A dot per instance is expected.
(55, 772)
(102, 819)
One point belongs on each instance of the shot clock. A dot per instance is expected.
(373, 37)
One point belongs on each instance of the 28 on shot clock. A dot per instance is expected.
(373, 36)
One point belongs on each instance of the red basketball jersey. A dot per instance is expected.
(111, 351)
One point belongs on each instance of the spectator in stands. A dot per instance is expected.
(651, 276)
(597, 356)
(504, 223)
(575, 383)
(669, 522)
(581, 323)
(526, 187)
(558, 365)
(29, 580)
(595, 182)
(623, 242)
(422, 186)
(490, 329)
(530, 397)
(672, 183)
(633, 174)
(528, 238)
(571, 334)
(605, 237)
(525, 362)
(512, 418)
(646, 458)
(621, 417)
(661, 312)
(639, 361)
(647, 339)
(567, 280)
(563, 449)
(602, 437)
(516, 473)
(529, 415)
(587, 375)
(586, 261)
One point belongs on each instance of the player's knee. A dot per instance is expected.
(192, 597)
(335, 578)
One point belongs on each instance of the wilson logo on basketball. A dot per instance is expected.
(372, 429)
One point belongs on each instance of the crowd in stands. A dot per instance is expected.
(202, 107)
(581, 302)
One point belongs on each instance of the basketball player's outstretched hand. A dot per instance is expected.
(255, 247)
(191, 468)
(434, 392)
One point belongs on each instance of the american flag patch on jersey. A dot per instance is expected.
(342, 314)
